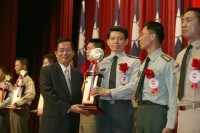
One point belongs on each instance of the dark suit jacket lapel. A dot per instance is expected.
(72, 80)
(75, 81)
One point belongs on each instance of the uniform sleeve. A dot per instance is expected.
(170, 80)
(7, 101)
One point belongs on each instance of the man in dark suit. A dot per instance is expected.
(61, 98)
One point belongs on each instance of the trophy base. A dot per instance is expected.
(93, 109)
(19, 109)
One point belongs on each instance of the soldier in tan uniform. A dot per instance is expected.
(88, 124)
(23, 94)
(189, 101)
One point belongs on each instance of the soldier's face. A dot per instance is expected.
(89, 48)
(46, 62)
(145, 39)
(19, 66)
(117, 41)
(190, 26)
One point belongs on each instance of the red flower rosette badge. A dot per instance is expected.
(196, 64)
(194, 75)
(123, 67)
(153, 82)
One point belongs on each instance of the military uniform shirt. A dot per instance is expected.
(190, 95)
(162, 65)
(29, 93)
(121, 91)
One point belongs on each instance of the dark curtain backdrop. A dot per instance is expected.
(8, 32)
(30, 28)
(66, 17)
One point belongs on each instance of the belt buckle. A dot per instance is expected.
(111, 101)
(182, 108)
(148, 102)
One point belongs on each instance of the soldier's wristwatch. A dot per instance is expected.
(108, 92)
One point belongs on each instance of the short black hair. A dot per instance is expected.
(60, 40)
(5, 70)
(156, 28)
(119, 29)
(23, 61)
(196, 10)
(51, 57)
(98, 43)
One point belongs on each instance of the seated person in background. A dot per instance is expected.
(48, 59)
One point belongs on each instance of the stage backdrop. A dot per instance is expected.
(100, 15)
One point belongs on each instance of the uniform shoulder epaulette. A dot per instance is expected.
(166, 57)
(132, 56)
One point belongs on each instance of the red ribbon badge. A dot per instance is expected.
(196, 65)
(150, 75)
(155, 91)
(123, 67)
(194, 86)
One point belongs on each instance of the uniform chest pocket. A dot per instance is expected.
(177, 67)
